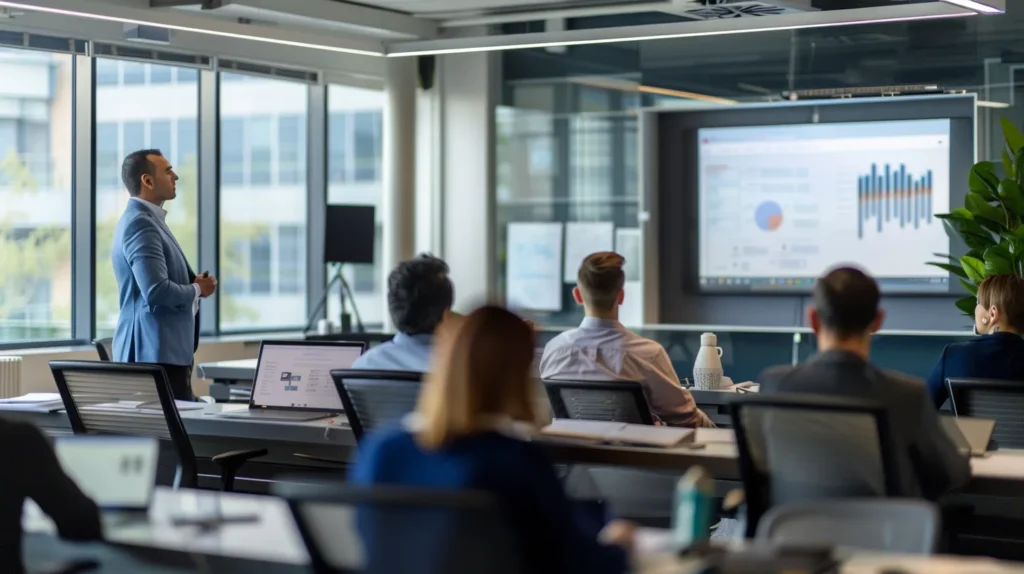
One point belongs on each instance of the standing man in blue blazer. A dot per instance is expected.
(158, 290)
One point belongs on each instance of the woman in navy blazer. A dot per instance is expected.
(999, 352)
(470, 431)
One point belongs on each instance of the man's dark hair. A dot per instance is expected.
(846, 300)
(419, 293)
(134, 165)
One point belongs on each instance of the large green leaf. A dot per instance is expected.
(955, 260)
(954, 269)
(983, 180)
(974, 267)
(967, 305)
(1014, 139)
(998, 260)
(1018, 161)
(1008, 165)
(970, 287)
(1012, 197)
(972, 234)
(983, 209)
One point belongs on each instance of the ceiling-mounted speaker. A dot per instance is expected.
(426, 65)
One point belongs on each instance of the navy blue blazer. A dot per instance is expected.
(995, 356)
(550, 533)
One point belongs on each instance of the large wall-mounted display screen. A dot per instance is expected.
(780, 204)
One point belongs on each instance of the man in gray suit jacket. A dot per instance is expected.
(158, 290)
(844, 315)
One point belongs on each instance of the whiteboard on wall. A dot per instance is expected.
(583, 238)
(533, 266)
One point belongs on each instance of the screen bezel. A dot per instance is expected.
(259, 361)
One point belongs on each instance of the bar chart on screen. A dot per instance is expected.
(891, 196)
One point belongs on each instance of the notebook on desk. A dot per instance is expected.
(623, 433)
(293, 380)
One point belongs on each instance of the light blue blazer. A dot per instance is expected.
(156, 323)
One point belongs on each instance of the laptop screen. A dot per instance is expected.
(298, 376)
(115, 472)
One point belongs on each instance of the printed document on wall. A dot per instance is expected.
(583, 238)
(533, 267)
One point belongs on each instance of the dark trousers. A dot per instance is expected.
(180, 377)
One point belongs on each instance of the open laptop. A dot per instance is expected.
(970, 435)
(293, 380)
(116, 472)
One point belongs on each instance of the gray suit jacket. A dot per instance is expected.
(928, 462)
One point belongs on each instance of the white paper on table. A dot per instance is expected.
(533, 266)
(583, 238)
(32, 398)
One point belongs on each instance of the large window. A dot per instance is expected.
(354, 178)
(262, 203)
(35, 195)
(133, 114)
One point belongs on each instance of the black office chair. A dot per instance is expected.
(798, 448)
(373, 398)
(615, 401)
(999, 400)
(104, 348)
(399, 529)
(87, 385)
(371, 339)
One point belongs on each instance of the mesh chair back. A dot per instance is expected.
(1001, 401)
(104, 348)
(907, 526)
(613, 401)
(375, 398)
(127, 399)
(795, 448)
(383, 530)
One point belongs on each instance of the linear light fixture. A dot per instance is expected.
(988, 104)
(804, 20)
(980, 7)
(685, 95)
(158, 18)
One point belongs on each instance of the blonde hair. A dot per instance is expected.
(481, 372)
(1006, 293)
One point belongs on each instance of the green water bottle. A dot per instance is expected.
(694, 507)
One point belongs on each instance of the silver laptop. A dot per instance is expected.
(116, 472)
(970, 435)
(293, 380)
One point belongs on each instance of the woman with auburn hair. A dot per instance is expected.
(471, 431)
(999, 352)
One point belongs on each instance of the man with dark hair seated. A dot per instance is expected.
(844, 315)
(420, 296)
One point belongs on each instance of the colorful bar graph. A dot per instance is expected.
(887, 194)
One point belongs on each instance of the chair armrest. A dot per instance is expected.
(230, 462)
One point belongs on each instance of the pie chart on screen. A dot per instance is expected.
(768, 216)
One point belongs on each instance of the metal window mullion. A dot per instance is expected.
(209, 194)
(83, 203)
(316, 196)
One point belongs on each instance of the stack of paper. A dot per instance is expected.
(33, 403)
(645, 435)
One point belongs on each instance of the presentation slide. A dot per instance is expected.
(300, 375)
(779, 205)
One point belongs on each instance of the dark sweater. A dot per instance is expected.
(29, 469)
(550, 535)
(995, 356)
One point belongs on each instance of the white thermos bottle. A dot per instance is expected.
(707, 369)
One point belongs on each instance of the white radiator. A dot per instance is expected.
(10, 377)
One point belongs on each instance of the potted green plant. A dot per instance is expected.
(991, 223)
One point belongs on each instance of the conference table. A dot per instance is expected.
(271, 543)
(998, 473)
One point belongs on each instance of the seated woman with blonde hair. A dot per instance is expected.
(471, 431)
(999, 352)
